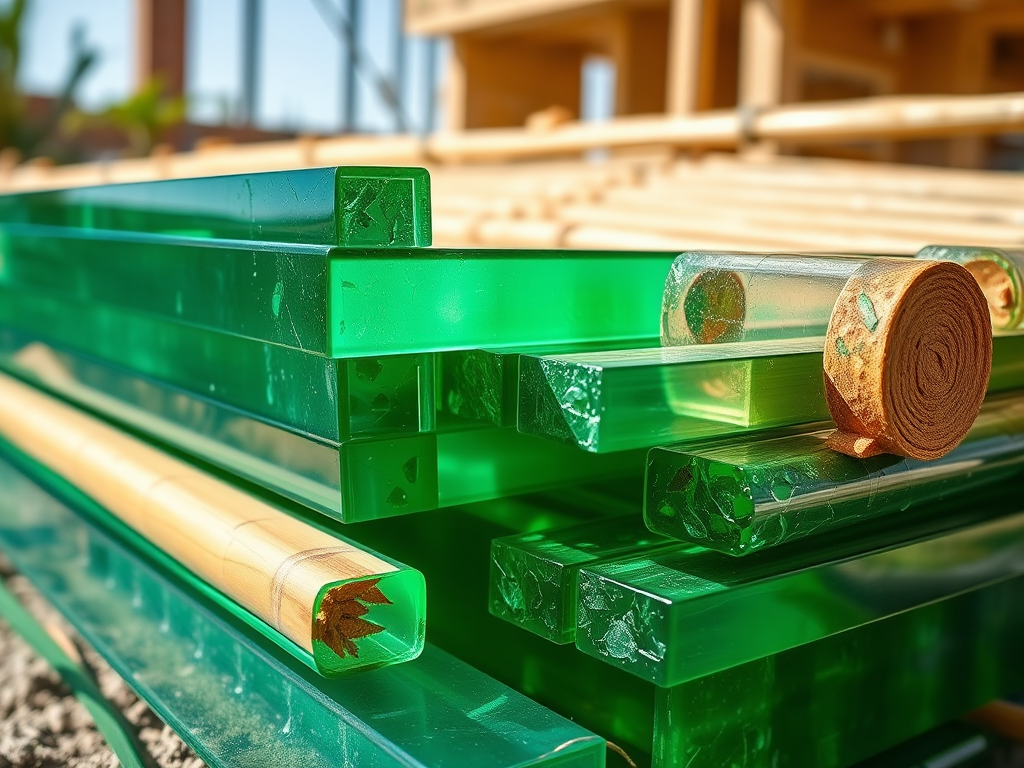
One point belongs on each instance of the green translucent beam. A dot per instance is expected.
(595, 695)
(238, 700)
(678, 615)
(346, 302)
(308, 394)
(741, 496)
(614, 401)
(837, 701)
(352, 480)
(534, 580)
(860, 691)
(358, 206)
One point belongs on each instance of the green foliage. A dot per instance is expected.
(17, 130)
(142, 117)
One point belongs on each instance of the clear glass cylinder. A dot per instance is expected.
(720, 297)
(998, 272)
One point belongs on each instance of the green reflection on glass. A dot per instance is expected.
(678, 615)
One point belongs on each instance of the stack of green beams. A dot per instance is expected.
(751, 600)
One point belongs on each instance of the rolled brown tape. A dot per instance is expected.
(908, 354)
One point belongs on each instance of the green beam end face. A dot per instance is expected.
(383, 208)
(369, 623)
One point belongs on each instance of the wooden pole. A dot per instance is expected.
(307, 584)
(893, 117)
(890, 117)
(692, 27)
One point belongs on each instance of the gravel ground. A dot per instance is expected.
(43, 726)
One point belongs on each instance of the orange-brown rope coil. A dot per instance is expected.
(907, 359)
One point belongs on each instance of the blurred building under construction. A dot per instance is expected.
(512, 58)
(729, 123)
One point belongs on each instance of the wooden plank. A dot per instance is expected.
(444, 17)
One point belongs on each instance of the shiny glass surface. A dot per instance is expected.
(722, 297)
(444, 299)
(740, 496)
(298, 391)
(837, 701)
(1000, 272)
(599, 697)
(725, 297)
(482, 385)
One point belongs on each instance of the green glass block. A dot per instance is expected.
(352, 480)
(479, 386)
(357, 206)
(535, 576)
(678, 615)
(741, 496)
(613, 401)
(198, 666)
(607, 701)
(444, 299)
(263, 291)
(346, 302)
(309, 394)
(482, 385)
(402, 619)
(297, 467)
(838, 701)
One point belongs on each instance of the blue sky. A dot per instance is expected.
(300, 77)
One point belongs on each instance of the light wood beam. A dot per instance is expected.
(691, 35)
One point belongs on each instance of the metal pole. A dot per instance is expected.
(250, 59)
(351, 64)
(430, 114)
(399, 79)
